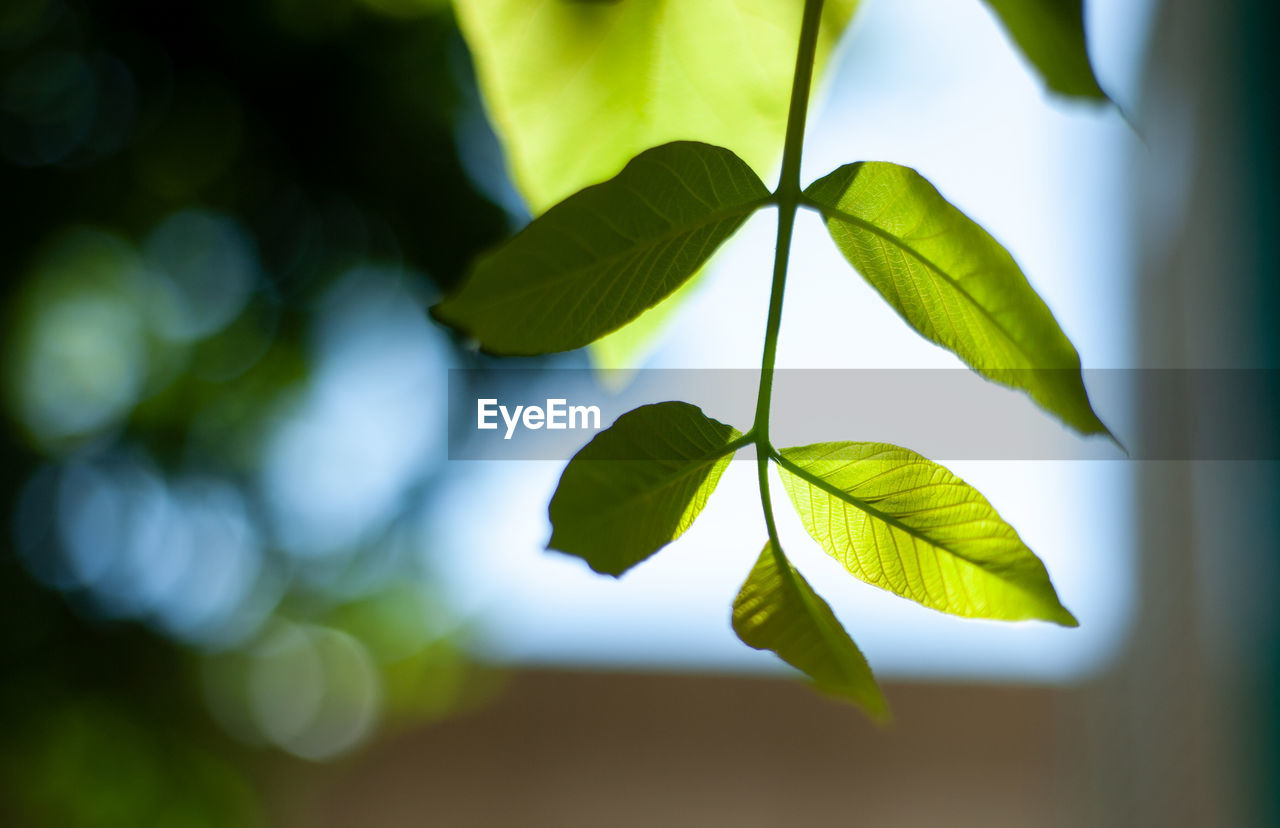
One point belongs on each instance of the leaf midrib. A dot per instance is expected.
(648, 242)
(848, 218)
(861, 505)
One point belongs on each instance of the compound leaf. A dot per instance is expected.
(603, 256)
(906, 524)
(639, 485)
(952, 282)
(777, 610)
(1050, 33)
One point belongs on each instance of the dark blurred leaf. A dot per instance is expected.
(1050, 34)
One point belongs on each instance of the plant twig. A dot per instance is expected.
(787, 197)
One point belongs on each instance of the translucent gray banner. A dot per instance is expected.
(944, 414)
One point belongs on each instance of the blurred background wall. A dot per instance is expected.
(224, 468)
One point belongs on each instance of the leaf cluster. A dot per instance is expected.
(603, 256)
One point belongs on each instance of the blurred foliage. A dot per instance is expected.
(219, 217)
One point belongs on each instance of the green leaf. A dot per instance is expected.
(575, 89)
(906, 524)
(639, 485)
(953, 283)
(1050, 34)
(605, 255)
(777, 610)
(615, 355)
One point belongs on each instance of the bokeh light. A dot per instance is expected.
(340, 458)
(78, 356)
(203, 267)
(226, 399)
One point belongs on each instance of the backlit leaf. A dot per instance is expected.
(575, 89)
(953, 283)
(777, 610)
(606, 254)
(906, 524)
(639, 485)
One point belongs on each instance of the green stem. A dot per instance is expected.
(788, 197)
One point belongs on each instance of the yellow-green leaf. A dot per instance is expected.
(606, 254)
(639, 485)
(777, 610)
(906, 524)
(1050, 33)
(575, 89)
(952, 282)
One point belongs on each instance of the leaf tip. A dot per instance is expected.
(877, 708)
(1097, 427)
(436, 314)
(1090, 93)
(1063, 618)
(869, 700)
(442, 314)
(1116, 442)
